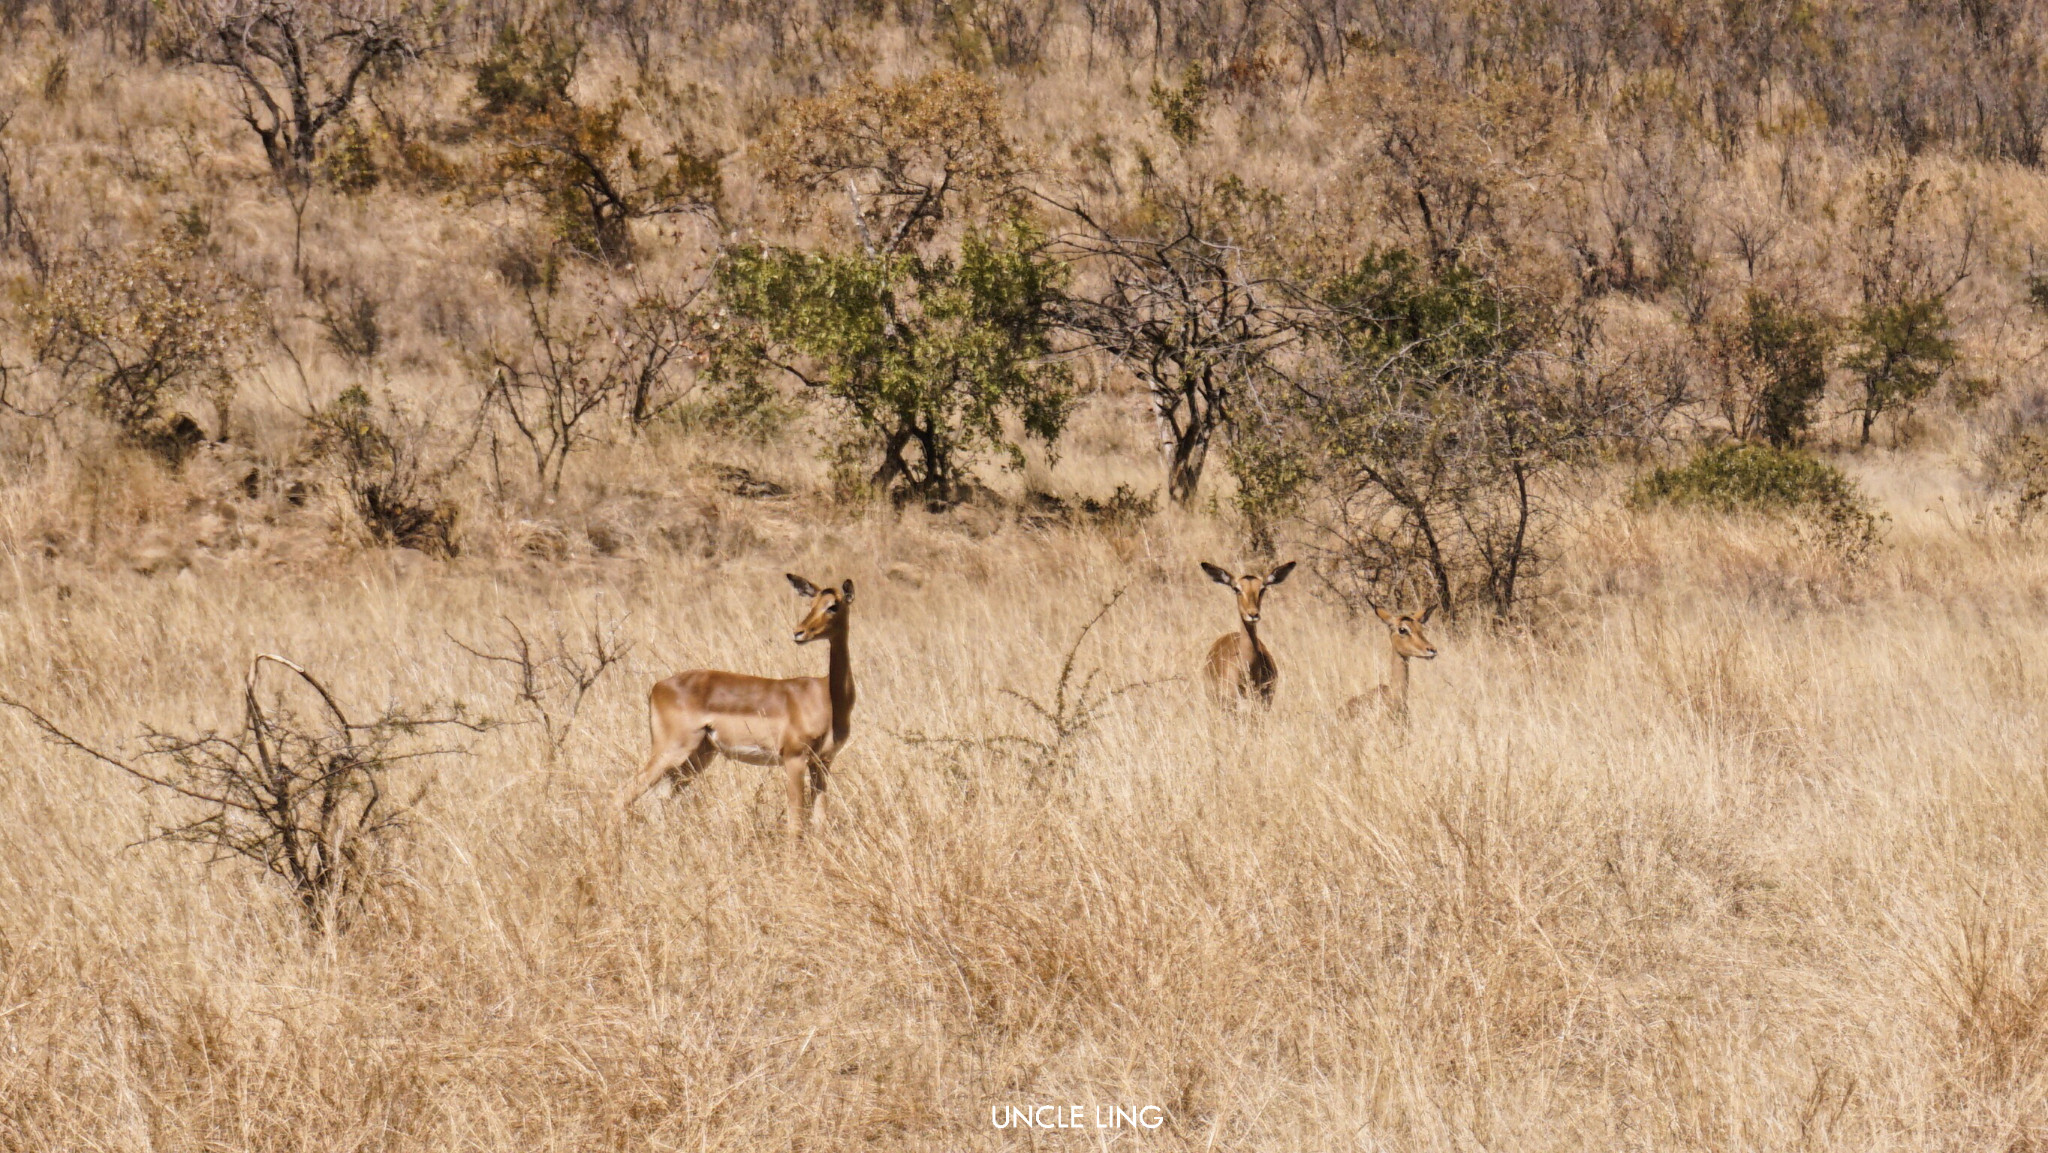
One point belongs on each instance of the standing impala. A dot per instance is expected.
(799, 723)
(1407, 644)
(1240, 665)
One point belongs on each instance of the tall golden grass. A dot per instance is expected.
(1728, 849)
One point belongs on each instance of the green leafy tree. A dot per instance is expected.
(1790, 344)
(1417, 438)
(927, 354)
(1908, 261)
(929, 345)
(1900, 351)
(1771, 362)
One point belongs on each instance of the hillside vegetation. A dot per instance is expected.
(476, 366)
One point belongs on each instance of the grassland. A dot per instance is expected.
(1729, 849)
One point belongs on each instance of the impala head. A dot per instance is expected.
(1250, 588)
(828, 608)
(1406, 633)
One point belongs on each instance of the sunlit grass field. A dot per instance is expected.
(1726, 847)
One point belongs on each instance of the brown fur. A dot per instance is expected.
(799, 723)
(1406, 642)
(1240, 666)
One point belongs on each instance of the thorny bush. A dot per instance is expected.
(303, 793)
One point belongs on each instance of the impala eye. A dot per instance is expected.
(833, 607)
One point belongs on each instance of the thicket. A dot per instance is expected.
(135, 334)
(1401, 268)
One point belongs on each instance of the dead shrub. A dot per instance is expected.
(553, 671)
(302, 792)
(546, 386)
(2016, 469)
(1063, 717)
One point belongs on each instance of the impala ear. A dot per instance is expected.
(1386, 618)
(1426, 614)
(1219, 576)
(802, 586)
(846, 591)
(1280, 574)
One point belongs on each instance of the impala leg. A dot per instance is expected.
(685, 758)
(820, 767)
(796, 783)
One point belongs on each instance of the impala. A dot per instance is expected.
(799, 723)
(1240, 665)
(1407, 644)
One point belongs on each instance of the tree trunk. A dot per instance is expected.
(1184, 473)
(893, 465)
(1439, 573)
(1504, 591)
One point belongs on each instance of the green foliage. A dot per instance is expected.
(1900, 351)
(1773, 366)
(1435, 424)
(1181, 108)
(350, 164)
(928, 355)
(1790, 345)
(1416, 441)
(527, 70)
(1434, 322)
(1759, 478)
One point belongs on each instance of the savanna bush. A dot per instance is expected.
(1771, 362)
(387, 472)
(591, 174)
(135, 334)
(2016, 467)
(1758, 478)
(1430, 419)
(928, 357)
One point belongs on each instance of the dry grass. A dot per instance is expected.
(1731, 851)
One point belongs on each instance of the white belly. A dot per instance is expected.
(746, 751)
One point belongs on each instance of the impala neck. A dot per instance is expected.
(839, 679)
(1251, 632)
(1397, 680)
